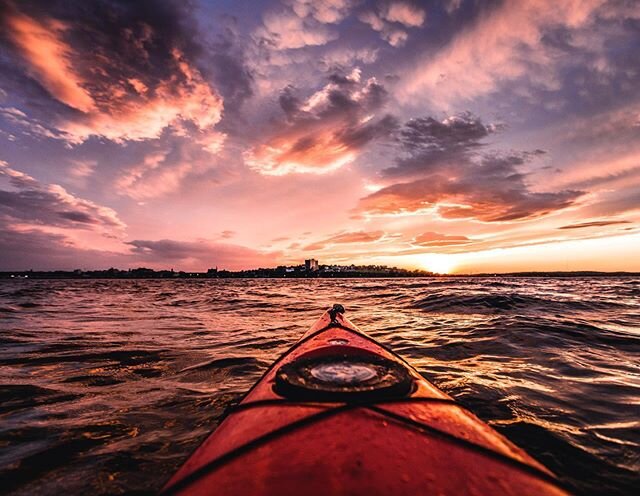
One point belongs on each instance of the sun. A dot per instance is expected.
(438, 263)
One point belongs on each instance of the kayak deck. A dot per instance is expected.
(420, 442)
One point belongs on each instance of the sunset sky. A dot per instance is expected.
(455, 136)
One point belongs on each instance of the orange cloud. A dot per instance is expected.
(185, 96)
(463, 199)
(358, 237)
(49, 57)
(115, 101)
(438, 239)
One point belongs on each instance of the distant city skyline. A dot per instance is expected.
(451, 136)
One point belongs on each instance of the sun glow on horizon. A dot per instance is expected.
(438, 263)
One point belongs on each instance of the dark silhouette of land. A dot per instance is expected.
(282, 271)
(294, 271)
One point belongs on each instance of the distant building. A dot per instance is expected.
(311, 265)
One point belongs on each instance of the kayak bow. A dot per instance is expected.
(340, 414)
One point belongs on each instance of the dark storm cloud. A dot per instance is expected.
(430, 144)
(232, 75)
(443, 166)
(464, 131)
(289, 102)
(324, 130)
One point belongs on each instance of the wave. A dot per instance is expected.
(460, 303)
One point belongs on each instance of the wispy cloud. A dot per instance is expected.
(505, 43)
(438, 239)
(359, 237)
(597, 223)
(27, 201)
(201, 253)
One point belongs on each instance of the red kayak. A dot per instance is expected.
(341, 414)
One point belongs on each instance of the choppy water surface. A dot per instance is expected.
(106, 386)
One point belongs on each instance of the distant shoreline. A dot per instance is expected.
(392, 273)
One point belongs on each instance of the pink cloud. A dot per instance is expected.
(287, 30)
(502, 45)
(323, 11)
(388, 15)
(405, 13)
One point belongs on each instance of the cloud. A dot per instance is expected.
(303, 23)
(325, 131)
(29, 203)
(287, 30)
(385, 18)
(79, 172)
(347, 237)
(323, 11)
(45, 226)
(230, 71)
(28, 126)
(348, 57)
(166, 167)
(405, 13)
(39, 250)
(438, 239)
(462, 131)
(445, 171)
(201, 253)
(123, 70)
(504, 43)
(41, 45)
(598, 223)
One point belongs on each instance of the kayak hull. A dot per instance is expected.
(419, 443)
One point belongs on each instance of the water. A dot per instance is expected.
(106, 386)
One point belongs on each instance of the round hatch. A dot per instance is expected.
(343, 378)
